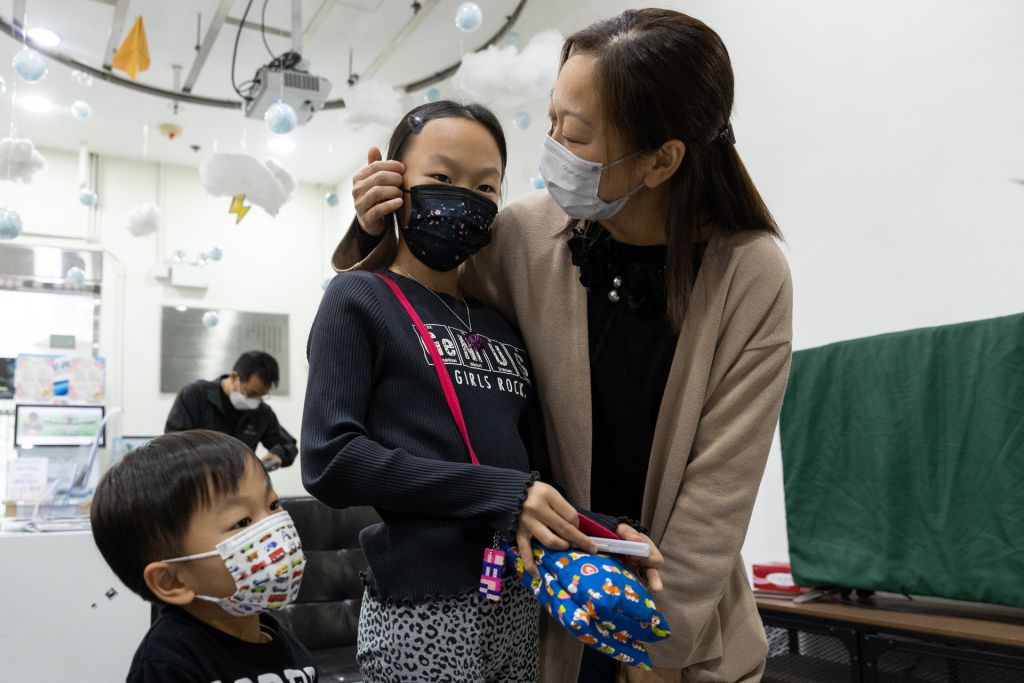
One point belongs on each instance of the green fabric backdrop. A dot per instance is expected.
(903, 458)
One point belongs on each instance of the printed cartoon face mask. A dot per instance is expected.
(447, 224)
(266, 562)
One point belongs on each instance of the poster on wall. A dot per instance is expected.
(87, 379)
(26, 478)
(33, 378)
(190, 350)
(44, 379)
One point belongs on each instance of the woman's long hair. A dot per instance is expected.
(662, 75)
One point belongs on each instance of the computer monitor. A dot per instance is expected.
(123, 445)
(42, 425)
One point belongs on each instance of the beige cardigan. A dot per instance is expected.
(714, 428)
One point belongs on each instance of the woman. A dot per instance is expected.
(377, 429)
(685, 309)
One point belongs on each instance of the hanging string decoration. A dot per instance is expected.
(81, 110)
(280, 118)
(243, 177)
(10, 224)
(469, 17)
(29, 65)
(75, 276)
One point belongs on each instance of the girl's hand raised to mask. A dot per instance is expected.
(377, 191)
(549, 518)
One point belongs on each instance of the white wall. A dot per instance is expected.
(269, 265)
(884, 137)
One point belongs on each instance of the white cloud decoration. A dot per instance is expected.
(264, 184)
(19, 160)
(372, 102)
(143, 219)
(504, 70)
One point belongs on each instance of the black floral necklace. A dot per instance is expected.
(634, 276)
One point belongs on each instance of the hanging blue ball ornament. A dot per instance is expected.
(469, 17)
(82, 78)
(331, 199)
(87, 197)
(216, 254)
(521, 120)
(81, 110)
(432, 95)
(10, 223)
(537, 181)
(280, 118)
(210, 319)
(75, 276)
(512, 38)
(29, 65)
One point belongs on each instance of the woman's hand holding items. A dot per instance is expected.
(549, 518)
(377, 192)
(650, 566)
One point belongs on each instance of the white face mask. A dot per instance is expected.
(266, 562)
(242, 402)
(573, 183)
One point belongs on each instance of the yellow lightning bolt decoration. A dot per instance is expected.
(238, 207)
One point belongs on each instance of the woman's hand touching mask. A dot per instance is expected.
(377, 192)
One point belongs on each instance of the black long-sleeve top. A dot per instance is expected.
(377, 431)
(204, 405)
(631, 345)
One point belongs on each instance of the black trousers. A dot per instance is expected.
(597, 668)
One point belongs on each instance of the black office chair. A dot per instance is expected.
(325, 616)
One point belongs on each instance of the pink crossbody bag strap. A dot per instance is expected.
(442, 373)
(587, 525)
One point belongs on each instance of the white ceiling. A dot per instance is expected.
(325, 148)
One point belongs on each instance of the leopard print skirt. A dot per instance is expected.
(460, 639)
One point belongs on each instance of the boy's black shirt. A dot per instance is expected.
(182, 649)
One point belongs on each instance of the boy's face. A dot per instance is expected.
(227, 515)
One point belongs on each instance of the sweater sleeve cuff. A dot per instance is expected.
(508, 524)
(367, 242)
(635, 523)
(607, 521)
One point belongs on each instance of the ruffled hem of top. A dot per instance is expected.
(635, 523)
(507, 529)
(407, 602)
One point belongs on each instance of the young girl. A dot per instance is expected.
(377, 429)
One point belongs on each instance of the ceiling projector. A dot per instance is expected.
(276, 82)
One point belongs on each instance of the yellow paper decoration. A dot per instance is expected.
(133, 55)
(238, 207)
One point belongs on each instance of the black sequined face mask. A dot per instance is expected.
(447, 224)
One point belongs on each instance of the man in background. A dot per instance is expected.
(234, 404)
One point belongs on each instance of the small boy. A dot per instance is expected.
(190, 521)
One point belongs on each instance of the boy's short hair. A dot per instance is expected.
(145, 503)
